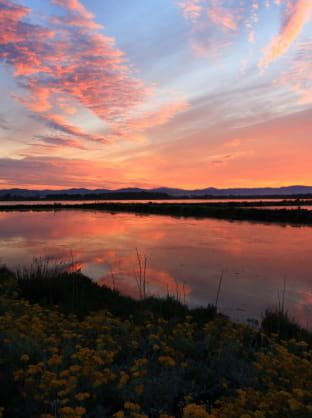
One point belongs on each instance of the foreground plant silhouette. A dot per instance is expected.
(152, 363)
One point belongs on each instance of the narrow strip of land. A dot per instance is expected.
(195, 210)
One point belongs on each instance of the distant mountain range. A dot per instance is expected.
(161, 192)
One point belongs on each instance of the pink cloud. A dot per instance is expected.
(191, 8)
(21, 45)
(260, 154)
(47, 171)
(73, 20)
(70, 65)
(215, 23)
(251, 37)
(298, 77)
(38, 101)
(215, 10)
(66, 106)
(75, 6)
(50, 145)
(134, 125)
(61, 141)
(59, 123)
(222, 17)
(295, 18)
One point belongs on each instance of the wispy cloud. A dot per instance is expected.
(192, 9)
(298, 76)
(59, 123)
(296, 15)
(76, 7)
(47, 171)
(79, 97)
(61, 141)
(221, 16)
(138, 122)
(214, 10)
(215, 23)
(67, 66)
(4, 124)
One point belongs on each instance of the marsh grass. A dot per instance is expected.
(45, 282)
(51, 282)
(146, 358)
(278, 321)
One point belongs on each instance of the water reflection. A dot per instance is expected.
(183, 255)
(307, 203)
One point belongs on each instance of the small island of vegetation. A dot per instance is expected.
(226, 210)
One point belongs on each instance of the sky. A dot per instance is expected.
(177, 93)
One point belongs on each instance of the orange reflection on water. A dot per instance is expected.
(184, 256)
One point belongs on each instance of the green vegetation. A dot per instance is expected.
(229, 210)
(278, 321)
(69, 348)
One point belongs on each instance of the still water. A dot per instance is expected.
(307, 202)
(184, 256)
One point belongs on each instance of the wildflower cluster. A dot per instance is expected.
(57, 365)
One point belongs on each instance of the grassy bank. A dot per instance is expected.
(72, 349)
(230, 210)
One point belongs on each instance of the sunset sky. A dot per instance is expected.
(148, 93)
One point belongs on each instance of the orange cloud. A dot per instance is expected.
(21, 47)
(255, 155)
(47, 171)
(10, 15)
(296, 17)
(71, 66)
(38, 101)
(61, 141)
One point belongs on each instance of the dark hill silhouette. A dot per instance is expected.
(156, 193)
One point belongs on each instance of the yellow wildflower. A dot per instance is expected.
(79, 410)
(119, 414)
(167, 361)
(195, 411)
(139, 389)
(24, 358)
(294, 404)
(82, 396)
(131, 406)
(66, 410)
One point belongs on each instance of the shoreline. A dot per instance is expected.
(66, 353)
(227, 211)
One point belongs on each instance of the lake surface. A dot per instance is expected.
(219, 200)
(184, 256)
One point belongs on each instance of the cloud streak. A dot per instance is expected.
(215, 23)
(61, 141)
(59, 123)
(44, 171)
(69, 66)
(298, 77)
(296, 16)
